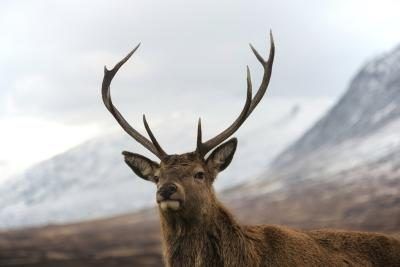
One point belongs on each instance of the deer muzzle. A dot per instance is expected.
(167, 197)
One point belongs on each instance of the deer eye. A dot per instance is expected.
(156, 179)
(199, 175)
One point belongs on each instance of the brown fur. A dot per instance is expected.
(218, 240)
(204, 233)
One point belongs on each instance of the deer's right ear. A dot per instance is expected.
(142, 166)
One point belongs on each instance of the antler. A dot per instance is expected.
(249, 106)
(153, 146)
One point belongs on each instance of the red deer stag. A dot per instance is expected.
(197, 230)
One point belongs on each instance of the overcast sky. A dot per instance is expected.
(192, 58)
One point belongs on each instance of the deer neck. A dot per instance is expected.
(215, 239)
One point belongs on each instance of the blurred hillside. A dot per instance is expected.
(344, 173)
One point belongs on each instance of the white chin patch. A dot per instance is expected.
(170, 204)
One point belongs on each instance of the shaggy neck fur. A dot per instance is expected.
(214, 239)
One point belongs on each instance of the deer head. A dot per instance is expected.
(184, 181)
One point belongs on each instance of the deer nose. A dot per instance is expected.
(167, 190)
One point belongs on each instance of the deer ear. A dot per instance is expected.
(222, 156)
(142, 166)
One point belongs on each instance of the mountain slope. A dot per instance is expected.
(365, 121)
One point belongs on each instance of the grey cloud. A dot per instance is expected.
(193, 55)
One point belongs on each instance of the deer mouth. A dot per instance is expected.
(170, 205)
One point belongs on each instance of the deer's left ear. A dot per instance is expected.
(222, 156)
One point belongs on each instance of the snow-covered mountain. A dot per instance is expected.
(92, 180)
(363, 126)
(345, 170)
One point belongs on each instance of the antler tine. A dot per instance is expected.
(152, 137)
(267, 65)
(199, 136)
(250, 104)
(204, 148)
(105, 91)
